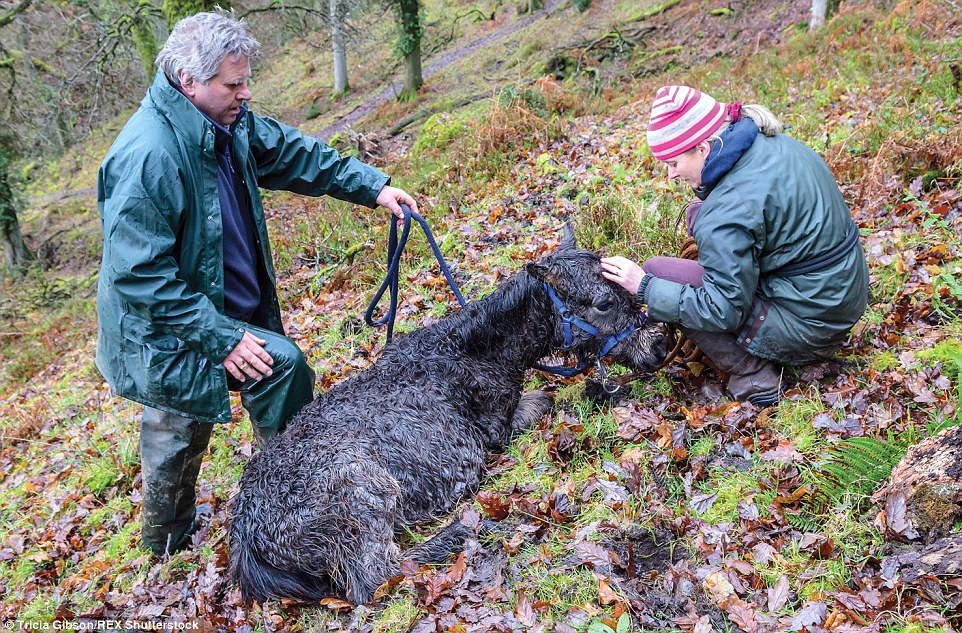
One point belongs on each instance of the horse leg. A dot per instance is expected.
(531, 407)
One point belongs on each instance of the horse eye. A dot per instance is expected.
(604, 305)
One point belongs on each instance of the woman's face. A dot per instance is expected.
(688, 166)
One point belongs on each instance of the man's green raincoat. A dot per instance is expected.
(160, 301)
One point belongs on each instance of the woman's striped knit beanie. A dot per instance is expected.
(681, 117)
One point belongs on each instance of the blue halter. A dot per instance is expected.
(568, 318)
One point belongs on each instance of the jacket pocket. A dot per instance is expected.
(166, 371)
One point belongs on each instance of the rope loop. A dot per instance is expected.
(395, 248)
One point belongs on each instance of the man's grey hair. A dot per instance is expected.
(199, 43)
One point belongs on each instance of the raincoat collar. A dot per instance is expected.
(190, 122)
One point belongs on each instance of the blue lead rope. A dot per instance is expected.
(395, 248)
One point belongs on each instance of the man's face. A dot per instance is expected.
(220, 98)
(688, 166)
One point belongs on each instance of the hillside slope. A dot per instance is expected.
(669, 509)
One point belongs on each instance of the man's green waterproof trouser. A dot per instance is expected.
(172, 446)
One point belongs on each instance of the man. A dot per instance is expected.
(186, 302)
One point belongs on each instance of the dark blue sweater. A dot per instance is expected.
(242, 293)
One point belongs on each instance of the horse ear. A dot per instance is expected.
(568, 240)
(541, 273)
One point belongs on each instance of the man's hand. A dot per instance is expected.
(623, 272)
(392, 198)
(249, 359)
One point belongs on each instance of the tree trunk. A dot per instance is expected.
(923, 497)
(412, 73)
(822, 10)
(530, 6)
(940, 558)
(15, 252)
(142, 33)
(174, 10)
(409, 46)
(338, 17)
(819, 9)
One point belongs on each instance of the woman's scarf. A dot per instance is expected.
(735, 141)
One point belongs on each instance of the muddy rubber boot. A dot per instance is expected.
(752, 378)
(171, 450)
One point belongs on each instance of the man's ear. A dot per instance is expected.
(186, 82)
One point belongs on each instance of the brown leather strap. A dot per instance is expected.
(683, 351)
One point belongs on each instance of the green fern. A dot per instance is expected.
(803, 521)
(852, 471)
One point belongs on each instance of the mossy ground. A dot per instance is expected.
(496, 179)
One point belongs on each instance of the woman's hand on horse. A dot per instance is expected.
(623, 272)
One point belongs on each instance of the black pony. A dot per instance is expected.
(406, 439)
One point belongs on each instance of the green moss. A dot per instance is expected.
(315, 110)
(546, 164)
(43, 608)
(564, 590)
(23, 570)
(532, 467)
(823, 577)
(397, 616)
(914, 627)
(949, 353)
(702, 447)
(884, 361)
(224, 463)
(570, 394)
(659, 385)
(652, 11)
(439, 131)
(732, 487)
(102, 474)
(120, 504)
(793, 422)
(124, 545)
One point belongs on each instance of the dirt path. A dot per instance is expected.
(435, 66)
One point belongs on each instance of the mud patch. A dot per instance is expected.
(655, 577)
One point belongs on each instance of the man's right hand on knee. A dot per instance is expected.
(249, 359)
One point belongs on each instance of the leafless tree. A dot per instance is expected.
(68, 66)
(338, 17)
(821, 11)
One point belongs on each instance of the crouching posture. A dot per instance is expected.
(780, 274)
(406, 439)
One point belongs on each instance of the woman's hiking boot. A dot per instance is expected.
(752, 379)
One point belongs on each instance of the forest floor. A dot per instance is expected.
(668, 508)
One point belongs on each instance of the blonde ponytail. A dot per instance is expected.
(767, 123)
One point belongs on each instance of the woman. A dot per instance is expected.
(780, 276)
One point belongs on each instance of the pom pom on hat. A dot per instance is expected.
(681, 117)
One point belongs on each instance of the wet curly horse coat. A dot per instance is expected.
(406, 439)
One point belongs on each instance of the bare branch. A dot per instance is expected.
(14, 12)
(287, 7)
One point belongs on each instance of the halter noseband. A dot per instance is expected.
(568, 319)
